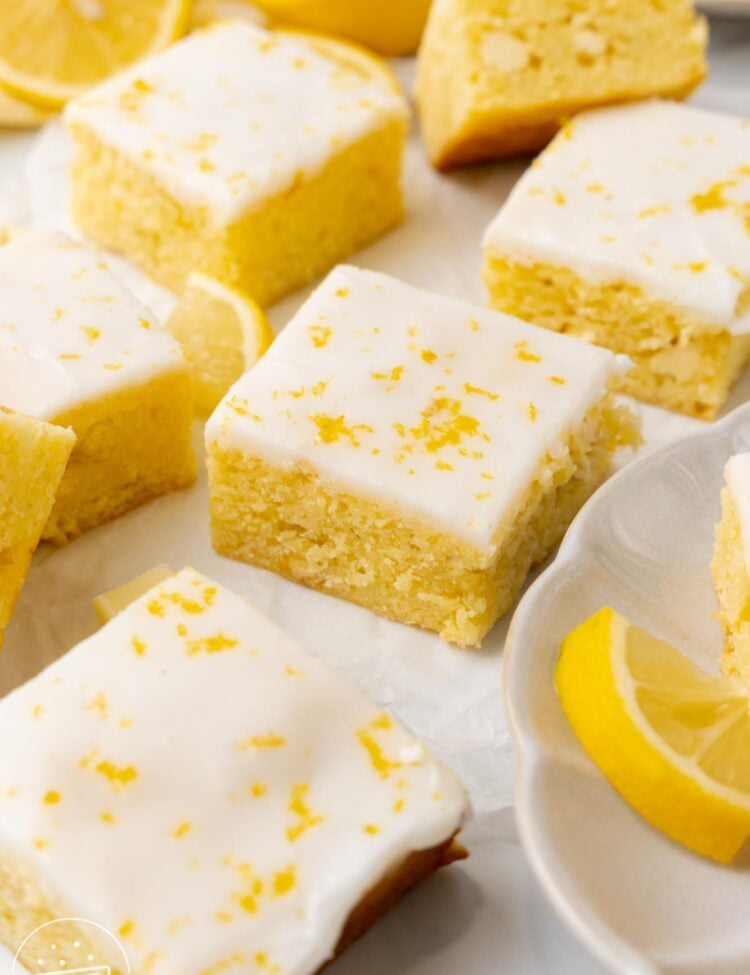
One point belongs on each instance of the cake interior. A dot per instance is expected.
(732, 585)
(27, 906)
(497, 77)
(33, 456)
(132, 445)
(682, 364)
(288, 520)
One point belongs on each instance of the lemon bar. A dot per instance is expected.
(254, 812)
(33, 457)
(731, 566)
(631, 231)
(77, 350)
(497, 77)
(409, 452)
(259, 159)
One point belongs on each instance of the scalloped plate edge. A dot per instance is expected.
(575, 910)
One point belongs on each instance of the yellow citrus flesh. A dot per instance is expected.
(110, 603)
(52, 50)
(673, 740)
(207, 12)
(15, 114)
(350, 56)
(390, 27)
(223, 332)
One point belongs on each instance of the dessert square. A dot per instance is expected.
(411, 453)
(631, 231)
(730, 566)
(497, 78)
(33, 457)
(77, 350)
(257, 158)
(254, 812)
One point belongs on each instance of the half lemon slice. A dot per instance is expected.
(15, 114)
(390, 27)
(222, 331)
(673, 740)
(52, 50)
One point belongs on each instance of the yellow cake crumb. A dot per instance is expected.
(498, 77)
(732, 583)
(680, 363)
(33, 459)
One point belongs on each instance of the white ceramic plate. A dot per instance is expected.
(643, 904)
(728, 8)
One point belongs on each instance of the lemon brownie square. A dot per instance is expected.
(77, 350)
(33, 457)
(253, 810)
(257, 158)
(409, 452)
(730, 566)
(497, 77)
(631, 231)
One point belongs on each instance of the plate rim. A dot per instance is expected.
(725, 8)
(616, 954)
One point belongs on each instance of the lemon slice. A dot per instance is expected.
(390, 27)
(52, 50)
(114, 601)
(351, 56)
(10, 232)
(207, 12)
(222, 331)
(15, 114)
(673, 740)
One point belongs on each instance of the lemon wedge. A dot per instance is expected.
(390, 27)
(206, 12)
(110, 603)
(52, 50)
(15, 114)
(11, 231)
(222, 331)
(354, 57)
(673, 740)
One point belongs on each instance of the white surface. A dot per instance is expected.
(482, 917)
(643, 546)
(448, 408)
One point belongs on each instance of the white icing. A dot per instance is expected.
(234, 114)
(69, 331)
(203, 787)
(737, 476)
(441, 408)
(656, 194)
